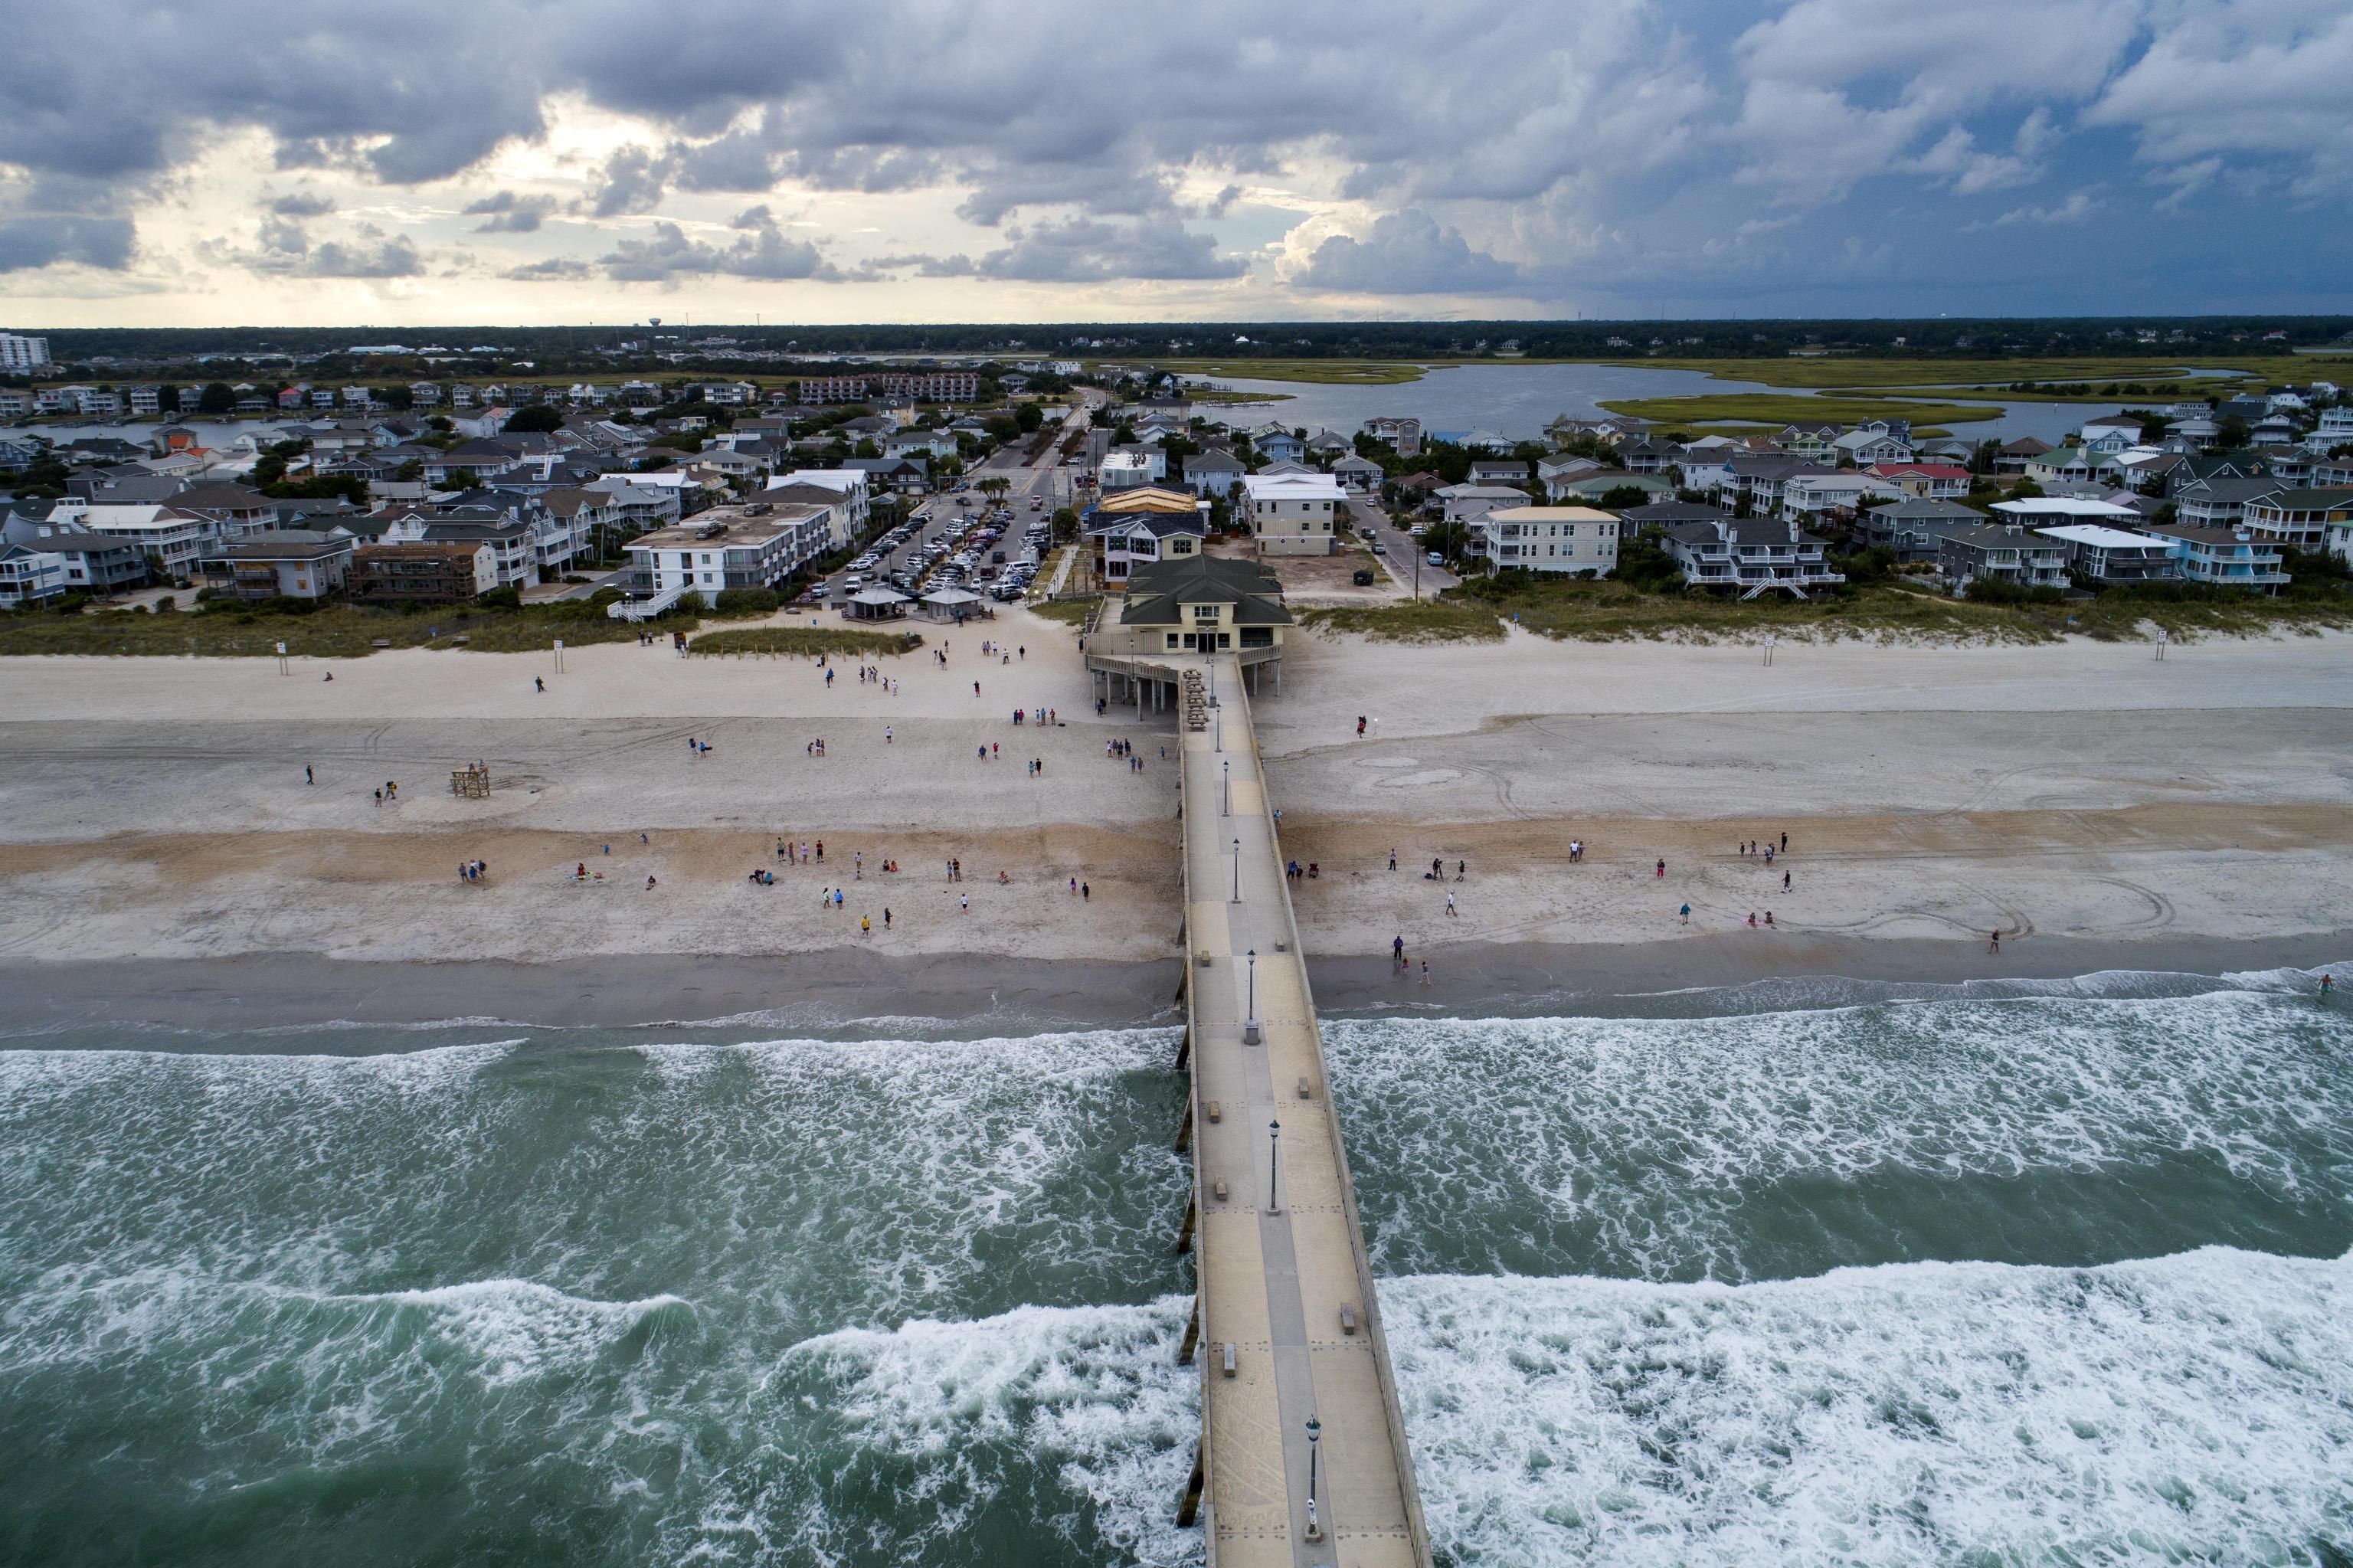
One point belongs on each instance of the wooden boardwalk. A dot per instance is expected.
(1285, 1329)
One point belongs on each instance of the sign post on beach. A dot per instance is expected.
(281, 661)
(1768, 650)
(559, 655)
(2161, 636)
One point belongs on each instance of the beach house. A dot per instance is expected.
(1569, 540)
(2114, 557)
(1296, 514)
(1750, 555)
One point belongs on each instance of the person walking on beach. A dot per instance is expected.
(1425, 971)
(1993, 942)
(1397, 950)
(1086, 892)
(1785, 844)
(1662, 871)
(1450, 910)
(886, 916)
(1392, 860)
(886, 735)
(308, 777)
(964, 902)
(1785, 881)
(2328, 982)
(1686, 914)
(866, 925)
(538, 685)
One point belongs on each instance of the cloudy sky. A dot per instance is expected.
(590, 161)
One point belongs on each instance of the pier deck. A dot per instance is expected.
(1284, 1279)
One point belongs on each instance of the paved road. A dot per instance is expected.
(1400, 552)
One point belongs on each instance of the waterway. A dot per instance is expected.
(2044, 1273)
(1518, 400)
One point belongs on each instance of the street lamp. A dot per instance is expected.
(1250, 1014)
(1229, 809)
(1314, 1437)
(1273, 1153)
(1237, 871)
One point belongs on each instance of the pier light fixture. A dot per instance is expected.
(1237, 871)
(1273, 1156)
(1314, 1437)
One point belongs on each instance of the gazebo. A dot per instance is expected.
(950, 604)
(877, 604)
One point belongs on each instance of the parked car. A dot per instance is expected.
(1362, 578)
(1436, 559)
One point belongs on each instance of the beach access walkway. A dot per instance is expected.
(1302, 1456)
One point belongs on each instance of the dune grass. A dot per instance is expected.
(1900, 611)
(1425, 621)
(802, 643)
(1069, 611)
(335, 632)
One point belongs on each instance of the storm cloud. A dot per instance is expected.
(1487, 152)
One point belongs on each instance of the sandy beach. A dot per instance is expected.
(2083, 799)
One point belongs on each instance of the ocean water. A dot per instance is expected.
(2040, 1274)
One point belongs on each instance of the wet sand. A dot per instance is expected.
(961, 995)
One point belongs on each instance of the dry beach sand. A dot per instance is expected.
(2101, 808)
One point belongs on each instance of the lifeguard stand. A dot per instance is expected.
(473, 783)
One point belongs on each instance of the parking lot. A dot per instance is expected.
(964, 537)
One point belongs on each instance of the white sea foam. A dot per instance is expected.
(965, 1419)
(2195, 1407)
(1642, 1146)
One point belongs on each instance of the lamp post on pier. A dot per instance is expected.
(1237, 871)
(1273, 1157)
(1250, 1014)
(1314, 1437)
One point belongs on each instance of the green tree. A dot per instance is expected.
(1644, 564)
(1066, 526)
(411, 472)
(540, 417)
(866, 449)
(1448, 539)
(1624, 497)
(1027, 417)
(218, 398)
(2232, 432)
